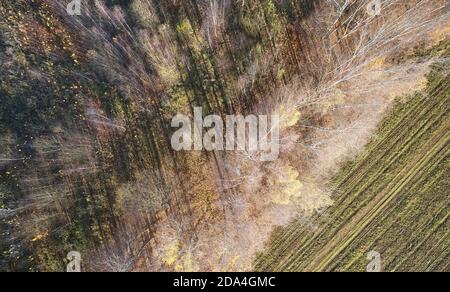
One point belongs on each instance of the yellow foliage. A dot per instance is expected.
(168, 73)
(179, 101)
(441, 34)
(289, 117)
(203, 189)
(333, 98)
(171, 254)
(290, 187)
(185, 28)
(232, 265)
(378, 63)
(185, 264)
(39, 237)
(144, 12)
(178, 260)
(161, 51)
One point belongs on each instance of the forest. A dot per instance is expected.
(87, 162)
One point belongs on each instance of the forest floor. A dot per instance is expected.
(392, 199)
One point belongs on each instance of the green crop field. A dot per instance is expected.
(392, 199)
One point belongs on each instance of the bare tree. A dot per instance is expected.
(355, 39)
(214, 20)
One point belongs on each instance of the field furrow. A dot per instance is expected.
(392, 199)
